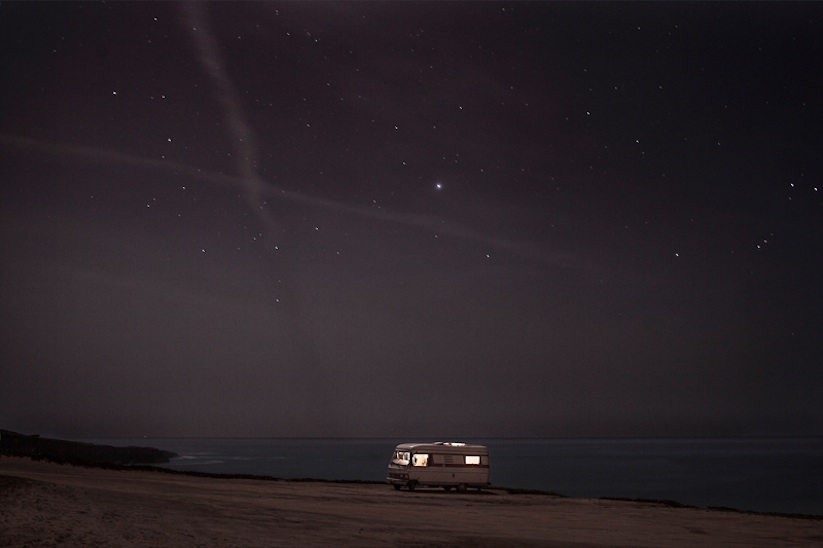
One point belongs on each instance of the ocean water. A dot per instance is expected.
(758, 474)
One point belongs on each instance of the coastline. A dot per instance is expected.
(77, 452)
(46, 503)
(761, 475)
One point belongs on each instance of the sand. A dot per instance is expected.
(44, 504)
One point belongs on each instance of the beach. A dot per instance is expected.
(46, 504)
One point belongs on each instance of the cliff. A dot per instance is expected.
(75, 452)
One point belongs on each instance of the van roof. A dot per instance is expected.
(444, 447)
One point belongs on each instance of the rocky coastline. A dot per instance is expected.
(14, 444)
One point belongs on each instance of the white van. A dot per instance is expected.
(439, 464)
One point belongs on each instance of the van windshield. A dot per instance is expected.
(401, 458)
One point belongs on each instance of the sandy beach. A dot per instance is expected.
(44, 504)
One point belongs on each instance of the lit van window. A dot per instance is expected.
(472, 459)
(401, 458)
(420, 459)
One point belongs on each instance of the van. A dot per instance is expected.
(439, 464)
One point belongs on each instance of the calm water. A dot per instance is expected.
(768, 475)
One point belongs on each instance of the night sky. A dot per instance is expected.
(411, 219)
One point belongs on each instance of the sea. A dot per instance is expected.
(780, 475)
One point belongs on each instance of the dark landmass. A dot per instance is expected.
(14, 444)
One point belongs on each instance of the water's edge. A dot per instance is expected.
(762, 475)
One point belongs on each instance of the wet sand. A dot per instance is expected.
(44, 504)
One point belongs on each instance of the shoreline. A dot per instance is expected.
(769, 476)
(43, 503)
(492, 489)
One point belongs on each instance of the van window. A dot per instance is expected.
(472, 459)
(420, 459)
(401, 458)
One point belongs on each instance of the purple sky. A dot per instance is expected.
(411, 219)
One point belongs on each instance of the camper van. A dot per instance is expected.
(440, 464)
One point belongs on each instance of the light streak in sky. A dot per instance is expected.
(265, 190)
(241, 133)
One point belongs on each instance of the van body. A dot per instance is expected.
(439, 464)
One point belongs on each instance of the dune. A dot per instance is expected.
(48, 504)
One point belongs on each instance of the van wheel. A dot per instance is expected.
(396, 486)
(411, 485)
